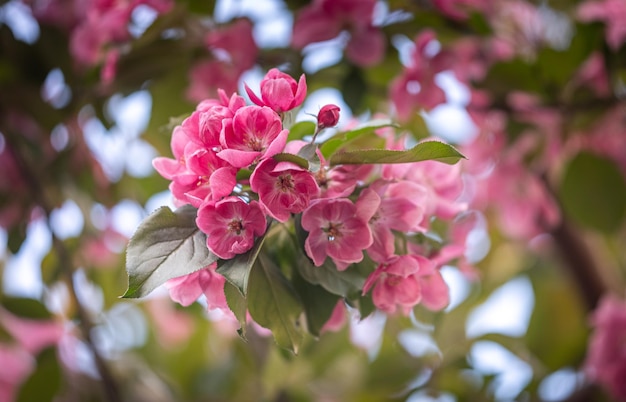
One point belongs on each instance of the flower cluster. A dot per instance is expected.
(233, 162)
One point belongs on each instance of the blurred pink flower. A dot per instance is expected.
(606, 355)
(403, 281)
(323, 20)
(279, 91)
(612, 13)
(338, 318)
(415, 88)
(188, 288)
(232, 51)
(231, 225)
(16, 365)
(393, 207)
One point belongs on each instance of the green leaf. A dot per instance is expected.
(166, 245)
(343, 139)
(593, 192)
(342, 283)
(26, 308)
(309, 152)
(295, 159)
(301, 130)
(237, 269)
(45, 382)
(238, 305)
(274, 304)
(428, 150)
(318, 303)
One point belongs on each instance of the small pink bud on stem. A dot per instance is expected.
(328, 116)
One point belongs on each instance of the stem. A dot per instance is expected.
(579, 262)
(109, 385)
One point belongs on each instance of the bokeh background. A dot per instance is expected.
(531, 92)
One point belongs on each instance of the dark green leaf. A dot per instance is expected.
(166, 245)
(428, 150)
(593, 192)
(274, 304)
(44, 383)
(26, 308)
(237, 269)
(343, 283)
(318, 303)
(354, 89)
(238, 305)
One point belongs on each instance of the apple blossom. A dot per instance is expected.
(231, 225)
(279, 91)
(335, 230)
(283, 188)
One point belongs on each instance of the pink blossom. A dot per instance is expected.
(16, 365)
(593, 74)
(173, 326)
(337, 319)
(612, 13)
(415, 88)
(253, 133)
(186, 289)
(325, 19)
(279, 91)
(215, 177)
(336, 230)
(206, 76)
(458, 9)
(231, 225)
(328, 116)
(283, 188)
(233, 51)
(391, 207)
(33, 335)
(606, 355)
(395, 285)
(167, 167)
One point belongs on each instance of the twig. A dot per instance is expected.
(109, 385)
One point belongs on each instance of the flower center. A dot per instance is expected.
(236, 226)
(284, 183)
(254, 143)
(333, 231)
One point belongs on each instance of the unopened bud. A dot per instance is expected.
(328, 116)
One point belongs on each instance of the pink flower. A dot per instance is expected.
(279, 91)
(252, 134)
(415, 88)
(613, 13)
(335, 230)
(337, 318)
(392, 207)
(186, 289)
(395, 284)
(402, 282)
(233, 51)
(606, 355)
(16, 365)
(231, 225)
(328, 116)
(283, 187)
(325, 19)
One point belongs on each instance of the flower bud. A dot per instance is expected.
(328, 116)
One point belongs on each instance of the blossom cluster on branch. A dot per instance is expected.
(253, 185)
